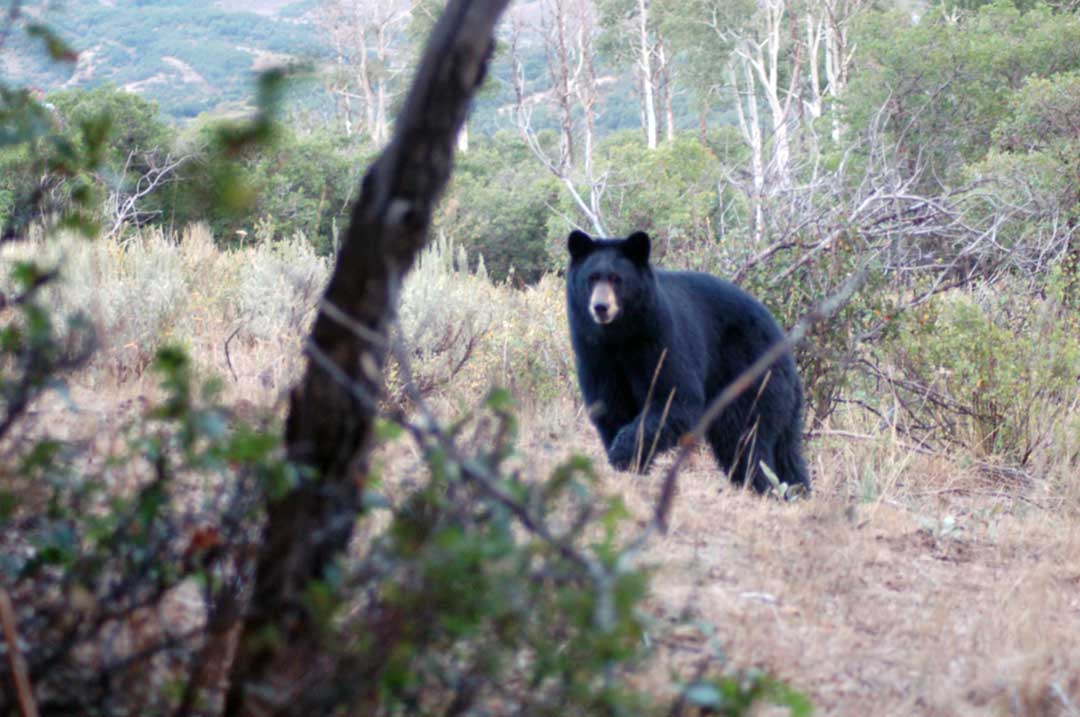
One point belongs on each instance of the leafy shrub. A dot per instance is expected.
(991, 374)
(829, 356)
(1034, 164)
(305, 185)
(498, 206)
(670, 192)
(944, 86)
(120, 564)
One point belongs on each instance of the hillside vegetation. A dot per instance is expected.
(909, 181)
(188, 57)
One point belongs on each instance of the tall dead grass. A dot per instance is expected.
(151, 289)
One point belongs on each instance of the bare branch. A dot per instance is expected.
(19, 678)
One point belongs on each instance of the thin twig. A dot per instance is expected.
(228, 358)
(15, 659)
(640, 438)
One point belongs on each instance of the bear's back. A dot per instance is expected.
(719, 303)
(720, 322)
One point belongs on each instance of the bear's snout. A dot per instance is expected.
(603, 304)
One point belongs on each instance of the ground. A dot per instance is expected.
(939, 592)
(932, 592)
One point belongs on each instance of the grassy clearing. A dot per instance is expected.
(914, 581)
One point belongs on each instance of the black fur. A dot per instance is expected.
(712, 330)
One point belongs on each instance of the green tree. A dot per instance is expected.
(306, 185)
(498, 205)
(139, 159)
(671, 192)
(1035, 163)
(942, 86)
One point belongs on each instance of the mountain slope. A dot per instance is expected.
(190, 57)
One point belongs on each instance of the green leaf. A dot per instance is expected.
(57, 48)
(95, 132)
(387, 431)
(500, 400)
(8, 503)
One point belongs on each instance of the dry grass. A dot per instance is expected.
(151, 289)
(910, 583)
(935, 593)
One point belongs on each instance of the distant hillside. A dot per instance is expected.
(189, 56)
(195, 56)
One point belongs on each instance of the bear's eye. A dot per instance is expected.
(614, 279)
(594, 277)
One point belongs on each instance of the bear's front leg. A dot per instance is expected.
(635, 448)
(623, 452)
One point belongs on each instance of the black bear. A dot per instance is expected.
(655, 347)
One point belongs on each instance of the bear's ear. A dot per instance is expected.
(636, 248)
(579, 243)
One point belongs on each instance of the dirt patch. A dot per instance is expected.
(187, 73)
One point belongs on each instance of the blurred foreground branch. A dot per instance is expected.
(329, 431)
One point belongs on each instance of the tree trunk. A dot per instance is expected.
(645, 67)
(381, 130)
(562, 73)
(750, 124)
(588, 96)
(463, 139)
(331, 414)
(668, 91)
(587, 91)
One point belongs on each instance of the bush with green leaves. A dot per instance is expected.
(942, 83)
(828, 357)
(670, 192)
(122, 136)
(48, 169)
(305, 186)
(120, 566)
(1034, 164)
(992, 374)
(498, 207)
(498, 593)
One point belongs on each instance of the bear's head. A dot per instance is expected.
(609, 279)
